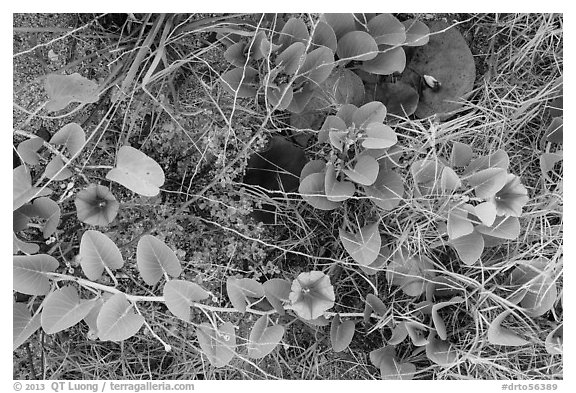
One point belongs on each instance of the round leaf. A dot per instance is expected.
(137, 172)
(180, 295)
(317, 67)
(341, 333)
(387, 190)
(340, 23)
(313, 166)
(344, 87)
(29, 273)
(154, 258)
(371, 112)
(97, 251)
(240, 82)
(365, 170)
(116, 320)
(311, 189)
(324, 36)
(263, 338)
(337, 191)
(63, 308)
(357, 45)
(292, 58)
(294, 30)
(56, 171)
(379, 136)
(417, 33)
(363, 246)
(387, 29)
(387, 62)
(64, 89)
(399, 97)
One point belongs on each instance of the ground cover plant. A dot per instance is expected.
(287, 196)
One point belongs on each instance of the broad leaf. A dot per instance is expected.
(324, 36)
(440, 352)
(116, 320)
(235, 54)
(426, 170)
(292, 58)
(72, 136)
(371, 112)
(154, 259)
(218, 346)
(499, 335)
(487, 182)
(502, 227)
(417, 33)
(373, 303)
(458, 224)
(341, 333)
(388, 61)
(20, 245)
(409, 273)
(137, 172)
(48, 209)
(461, 154)
(337, 191)
(439, 324)
(357, 45)
(379, 136)
(340, 23)
(294, 30)
(387, 190)
(64, 89)
(313, 166)
(241, 290)
(486, 212)
(28, 150)
(280, 97)
(365, 170)
(399, 97)
(63, 308)
(449, 181)
(469, 247)
(56, 171)
(240, 82)
(331, 124)
(263, 338)
(390, 368)
(363, 246)
(180, 295)
(347, 111)
(29, 274)
(344, 86)
(97, 252)
(22, 190)
(277, 292)
(23, 324)
(312, 190)
(317, 67)
(387, 29)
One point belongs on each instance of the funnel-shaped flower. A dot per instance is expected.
(510, 200)
(96, 205)
(312, 294)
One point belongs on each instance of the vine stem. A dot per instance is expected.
(160, 299)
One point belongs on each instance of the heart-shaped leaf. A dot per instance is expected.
(461, 154)
(72, 136)
(340, 23)
(56, 171)
(388, 61)
(371, 112)
(417, 33)
(502, 227)
(499, 335)
(324, 36)
(337, 191)
(29, 273)
(487, 182)
(240, 82)
(96, 205)
(63, 308)
(387, 190)
(399, 97)
(341, 333)
(180, 295)
(469, 247)
(28, 150)
(311, 295)
(363, 246)
(137, 172)
(263, 338)
(23, 324)
(241, 290)
(116, 320)
(357, 45)
(390, 368)
(312, 190)
(387, 29)
(379, 262)
(344, 86)
(218, 346)
(277, 292)
(154, 258)
(365, 170)
(379, 136)
(439, 324)
(64, 89)
(294, 30)
(292, 58)
(97, 252)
